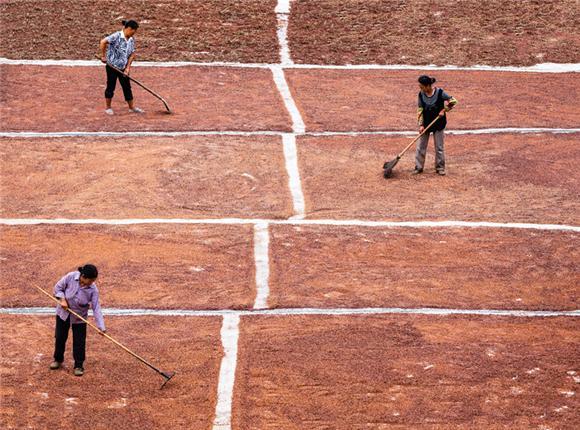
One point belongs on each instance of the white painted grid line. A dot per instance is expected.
(292, 221)
(113, 312)
(229, 334)
(282, 32)
(283, 7)
(261, 257)
(538, 68)
(522, 130)
(65, 134)
(282, 85)
(291, 158)
(282, 15)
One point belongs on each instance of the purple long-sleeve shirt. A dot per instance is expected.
(79, 298)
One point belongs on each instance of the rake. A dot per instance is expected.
(166, 375)
(150, 91)
(388, 166)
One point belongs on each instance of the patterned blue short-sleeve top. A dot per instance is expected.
(119, 49)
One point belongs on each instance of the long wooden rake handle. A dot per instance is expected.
(119, 344)
(138, 83)
(417, 138)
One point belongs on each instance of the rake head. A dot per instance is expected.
(167, 376)
(388, 167)
(167, 109)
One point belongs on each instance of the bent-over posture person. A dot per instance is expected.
(76, 291)
(431, 104)
(118, 49)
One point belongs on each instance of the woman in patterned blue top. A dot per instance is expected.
(118, 49)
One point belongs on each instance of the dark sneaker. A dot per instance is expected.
(79, 371)
(441, 172)
(55, 365)
(417, 171)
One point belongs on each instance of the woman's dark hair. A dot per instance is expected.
(426, 80)
(89, 271)
(130, 23)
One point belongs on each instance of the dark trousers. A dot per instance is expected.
(112, 76)
(79, 340)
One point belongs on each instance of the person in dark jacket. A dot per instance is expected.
(431, 105)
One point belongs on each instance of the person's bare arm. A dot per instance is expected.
(103, 47)
(129, 61)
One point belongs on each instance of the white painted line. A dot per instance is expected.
(35, 134)
(131, 221)
(515, 130)
(538, 68)
(229, 334)
(104, 134)
(282, 32)
(291, 159)
(261, 250)
(161, 64)
(282, 85)
(60, 63)
(436, 224)
(283, 7)
(304, 311)
(282, 14)
(523, 130)
(292, 221)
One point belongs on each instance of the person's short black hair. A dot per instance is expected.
(130, 23)
(426, 80)
(89, 271)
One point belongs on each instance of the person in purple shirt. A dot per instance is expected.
(76, 291)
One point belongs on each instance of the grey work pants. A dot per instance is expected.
(422, 151)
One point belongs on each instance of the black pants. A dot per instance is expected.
(79, 340)
(112, 76)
